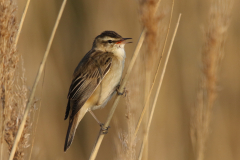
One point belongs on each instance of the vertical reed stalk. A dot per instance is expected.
(159, 87)
(21, 22)
(29, 104)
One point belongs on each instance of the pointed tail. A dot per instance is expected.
(73, 124)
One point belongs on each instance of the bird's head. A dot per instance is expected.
(109, 41)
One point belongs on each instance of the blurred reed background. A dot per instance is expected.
(169, 136)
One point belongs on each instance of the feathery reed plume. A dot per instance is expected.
(151, 22)
(13, 89)
(15, 113)
(212, 53)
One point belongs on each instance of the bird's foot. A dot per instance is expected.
(121, 93)
(104, 130)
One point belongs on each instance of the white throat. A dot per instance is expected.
(120, 52)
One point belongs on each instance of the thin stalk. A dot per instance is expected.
(160, 83)
(41, 68)
(155, 77)
(121, 89)
(21, 22)
(141, 151)
(2, 128)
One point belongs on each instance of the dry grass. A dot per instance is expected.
(128, 139)
(16, 111)
(13, 92)
(13, 88)
(212, 53)
(24, 120)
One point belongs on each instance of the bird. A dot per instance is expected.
(95, 79)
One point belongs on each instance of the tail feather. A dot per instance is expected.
(73, 124)
(70, 133)
(67, 110)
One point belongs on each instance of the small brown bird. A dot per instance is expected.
(95, 79)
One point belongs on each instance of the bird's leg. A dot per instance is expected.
(104, 130)
(121, 93)
(95, 118)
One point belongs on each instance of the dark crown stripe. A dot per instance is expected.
(111, 34)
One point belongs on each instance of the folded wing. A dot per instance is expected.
(87, 76)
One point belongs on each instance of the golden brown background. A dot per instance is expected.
(170, 131)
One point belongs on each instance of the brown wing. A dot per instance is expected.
(87, 76)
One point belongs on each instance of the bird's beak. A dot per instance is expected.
(123, 41)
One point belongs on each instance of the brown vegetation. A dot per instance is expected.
(168, 137)
(12, 81)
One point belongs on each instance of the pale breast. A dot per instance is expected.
(106, 88)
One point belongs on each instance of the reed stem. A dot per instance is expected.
(41, 68)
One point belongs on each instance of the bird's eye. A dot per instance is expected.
(110, 41)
